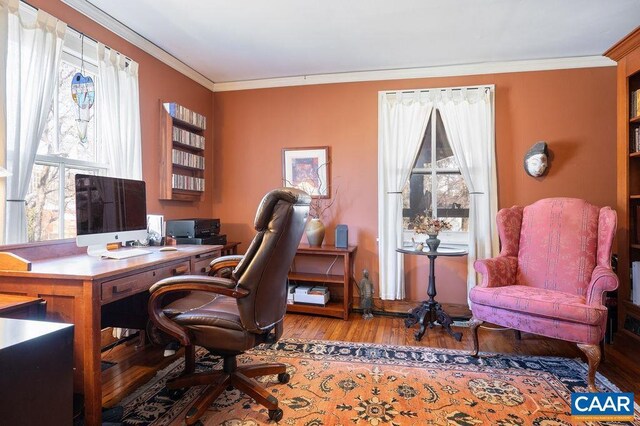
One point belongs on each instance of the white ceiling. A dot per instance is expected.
(257, 39)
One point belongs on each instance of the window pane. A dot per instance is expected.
(416, 197)
(444, 153)
(43, 203)
(48, 142)
(424, 156)
(453, 200)
(70, 200)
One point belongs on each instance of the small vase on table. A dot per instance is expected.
(433, 242)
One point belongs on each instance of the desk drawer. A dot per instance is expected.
(202, 261)
(126, 286)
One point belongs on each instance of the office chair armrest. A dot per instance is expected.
(159, 290)
(497, 271)
(602, 280)
(224, 262)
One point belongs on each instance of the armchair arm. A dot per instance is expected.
(603, 279)
(159, 290)
(497, 271)
(224, 262)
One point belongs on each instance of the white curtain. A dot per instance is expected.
(402, 122)
(33, 56)
(467, 115)
(118, 113)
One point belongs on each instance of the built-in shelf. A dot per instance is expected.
(316, 278)
(634, 154)
(635, 120)
(182, 131)
(332, 309)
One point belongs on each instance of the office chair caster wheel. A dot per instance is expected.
(284, 378)
(275, 415)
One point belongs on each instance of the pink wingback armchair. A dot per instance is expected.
(551, 274)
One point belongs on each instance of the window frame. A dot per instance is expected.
(76, 50)
(457, 239)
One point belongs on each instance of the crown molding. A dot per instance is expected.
(408, 73)
(121, 30)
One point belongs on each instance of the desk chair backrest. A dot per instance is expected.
(280, 221)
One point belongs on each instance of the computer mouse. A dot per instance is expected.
(169, 248)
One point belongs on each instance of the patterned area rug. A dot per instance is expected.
(336, 383)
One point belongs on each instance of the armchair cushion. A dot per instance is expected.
(541, 302)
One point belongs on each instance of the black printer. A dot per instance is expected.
(196, 231)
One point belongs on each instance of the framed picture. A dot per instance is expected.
(307, 169)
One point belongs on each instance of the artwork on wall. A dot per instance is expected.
(307, 169)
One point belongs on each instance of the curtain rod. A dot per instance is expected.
(79, 32)
(442, 89)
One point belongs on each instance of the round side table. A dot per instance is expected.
(430, 311)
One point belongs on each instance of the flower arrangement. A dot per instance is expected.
(424, 224)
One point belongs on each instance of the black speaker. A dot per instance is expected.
(342, 236)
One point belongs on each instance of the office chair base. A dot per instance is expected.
(231, 376)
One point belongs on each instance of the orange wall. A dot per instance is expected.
(573, 110)
(157, 82)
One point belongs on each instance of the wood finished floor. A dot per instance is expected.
(135, 366)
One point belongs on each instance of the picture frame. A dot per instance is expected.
(307, 169)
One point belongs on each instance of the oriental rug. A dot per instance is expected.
(337, 383)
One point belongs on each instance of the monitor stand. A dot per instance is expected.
(96, 250)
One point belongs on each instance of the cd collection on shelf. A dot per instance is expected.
(186, 115)
(183, 158)
(188, 183)
(186, 137)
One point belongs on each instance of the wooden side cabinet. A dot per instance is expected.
(36, 373)
(340, 285)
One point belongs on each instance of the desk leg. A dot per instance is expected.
(92, 356)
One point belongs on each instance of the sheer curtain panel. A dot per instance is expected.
(118, 113)
(402, 122)
(33, 49)
(467, 115)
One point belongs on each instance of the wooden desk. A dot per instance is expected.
(22, 307)
(230, 248)
(76, 286)
(36, 372)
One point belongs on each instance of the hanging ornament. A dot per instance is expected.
(83, 94)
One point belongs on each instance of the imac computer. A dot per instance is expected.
(110, 210)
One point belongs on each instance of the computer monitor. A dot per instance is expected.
(109, 210)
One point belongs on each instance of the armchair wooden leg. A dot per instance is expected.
(474, 323)
(593, 355)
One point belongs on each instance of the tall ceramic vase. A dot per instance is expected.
(315, 232)
(433, 242)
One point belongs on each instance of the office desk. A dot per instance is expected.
(76, 286)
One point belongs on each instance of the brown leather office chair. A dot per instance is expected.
(248, 308)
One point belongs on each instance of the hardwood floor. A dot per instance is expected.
(135, 366)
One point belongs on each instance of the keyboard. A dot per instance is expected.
(126, 253)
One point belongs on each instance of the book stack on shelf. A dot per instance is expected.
(315, 295)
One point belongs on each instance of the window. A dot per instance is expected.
(61, 152)
(436, 187)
